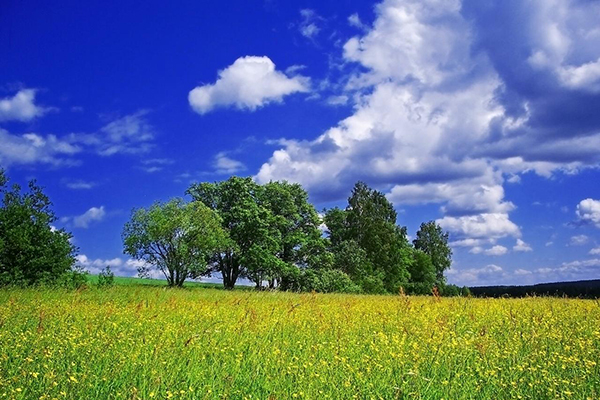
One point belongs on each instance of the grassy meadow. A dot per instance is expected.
(148, 342)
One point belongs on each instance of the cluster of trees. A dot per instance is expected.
(272, 235)
(32, 251)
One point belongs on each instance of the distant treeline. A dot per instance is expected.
(589, 289)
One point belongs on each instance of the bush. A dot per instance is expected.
(73, 279)
(106, 277)
(373, 284)
(327, 281)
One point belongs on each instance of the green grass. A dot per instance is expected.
(149, 342)
(131, 281)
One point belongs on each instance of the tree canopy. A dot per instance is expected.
(369, 221)
(433, 241)
(32, 251)
(175, 238)
(250, 224)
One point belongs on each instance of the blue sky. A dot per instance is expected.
(482, 115)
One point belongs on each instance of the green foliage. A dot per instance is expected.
(106, 277)
(453, 290)
(433, 241)
(422, 269)
(370, 221)
(294, 217)
(72, 279)
(175, 238)
(32, 251)
(326, 281)
(353, 260)
(251, 225)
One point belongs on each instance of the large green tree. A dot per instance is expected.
(297, 222)
(370, 221)
(31, 249)
(246, 215)
(433, 241)
(176, 238)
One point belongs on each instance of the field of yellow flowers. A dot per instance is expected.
(156, 343)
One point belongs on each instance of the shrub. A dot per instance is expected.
(73, 279)
(106, 277)
(327, 281)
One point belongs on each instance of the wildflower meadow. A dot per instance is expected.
(135, 342)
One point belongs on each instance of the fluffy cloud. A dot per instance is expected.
(32, 148)
(549, 81)
(94, 214)
(492, 251)
(496, 251)
(579, 240)
(409, 131)
(21, 107)
(445, 111)
(249, 83)
(459, 196)
(595, 251)
(565, 43)
(482, 226)
(226, 165)
(588, 211)
(521, 246)
(131, 134)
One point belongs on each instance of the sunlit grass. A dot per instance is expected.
(134, 342)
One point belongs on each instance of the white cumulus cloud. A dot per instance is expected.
(496, 251)
(588, 211)
(522, 246)
(409, 129)
(431, 120)
(490, 226)
(21, 107)
(249, 83)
